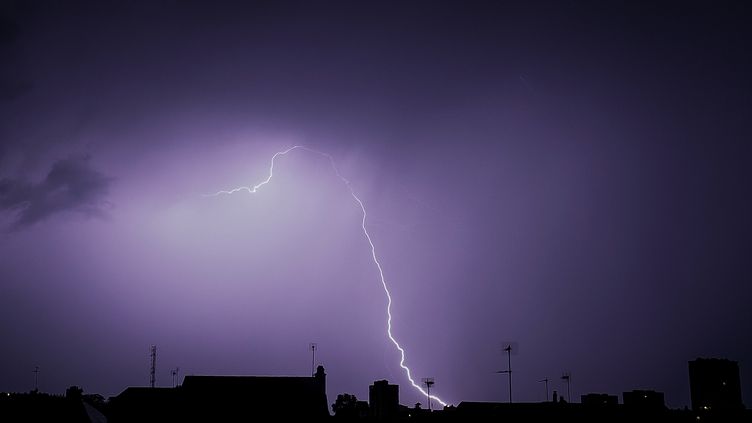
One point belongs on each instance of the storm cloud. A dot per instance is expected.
(71, 186)
(571, 176)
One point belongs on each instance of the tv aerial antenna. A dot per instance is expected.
(428, 381)
(312, 347)
(567, 375)
(509, 348)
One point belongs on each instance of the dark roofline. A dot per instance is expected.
(193, 379)
(251, 376)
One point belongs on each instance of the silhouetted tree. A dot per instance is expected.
(345, 406)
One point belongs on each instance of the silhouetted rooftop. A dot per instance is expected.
(217, 397)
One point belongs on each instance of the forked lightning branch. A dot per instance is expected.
(254, 188)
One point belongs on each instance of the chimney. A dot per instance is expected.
(320, 379)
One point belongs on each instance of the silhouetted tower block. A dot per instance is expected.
(644, 400)
(714, 385)
(383, 400)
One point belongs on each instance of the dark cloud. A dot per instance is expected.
(72, 185)
(8, 28)
(11, 90)
(12, 82)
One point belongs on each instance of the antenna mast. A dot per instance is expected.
(36, 378)
(152, 373)
(313, 346)
(175, 377)
(545, 380)
(568, 377)
(509, 347)
(428, 381)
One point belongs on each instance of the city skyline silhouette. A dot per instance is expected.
(573, 178)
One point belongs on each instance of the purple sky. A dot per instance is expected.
(572, 177)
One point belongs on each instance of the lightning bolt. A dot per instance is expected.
(254, 188)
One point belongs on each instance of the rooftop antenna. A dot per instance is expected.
(312, 347)
(545, 380)
(568, 377)
(428, 381)
(152, 373)
(175, 377)
(36, 378)
(509, 348)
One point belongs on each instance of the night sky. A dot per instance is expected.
(575, 177)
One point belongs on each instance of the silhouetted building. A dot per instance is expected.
(146, 405)
(595, 408)
(383, 400)
(252, 396)
(362, 410)
(40, 407)
(644, 400)
(599, 400)
(226, 398)
(714, 385)
(471, 411)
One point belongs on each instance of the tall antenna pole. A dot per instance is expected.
(568, 377)
(508, 349)
(153, 372)
(546, 382)
(428, 381)
(175, 377)
(313, 345)
(36, 378)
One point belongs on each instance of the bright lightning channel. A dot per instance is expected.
(253, 189)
